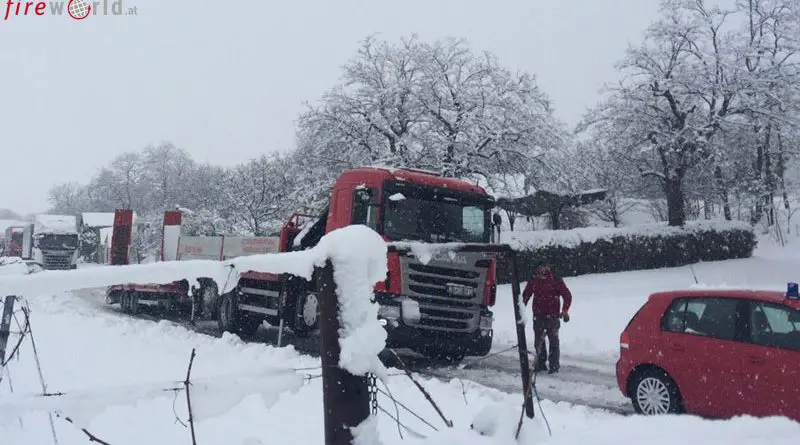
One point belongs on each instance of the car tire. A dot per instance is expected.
(653, 392)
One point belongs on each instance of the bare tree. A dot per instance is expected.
(68, 198)
(675, 96)
(436, 106)
(257, 192)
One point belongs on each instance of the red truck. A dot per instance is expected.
(440, 309)
(11, 244)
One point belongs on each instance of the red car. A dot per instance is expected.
(714, 353)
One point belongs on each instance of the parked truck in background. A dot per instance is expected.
(55, 241)
(441, 308)
(11, 244)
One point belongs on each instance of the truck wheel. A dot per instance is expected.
(209, 297)
(133, 303)
(226, 317)
(125, 301)
(483, 346)
(230, 319)
(306, 314)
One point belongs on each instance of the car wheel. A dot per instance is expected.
(655, 393)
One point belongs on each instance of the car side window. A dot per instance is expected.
(774, 326)
(707, 316)
(675, 316)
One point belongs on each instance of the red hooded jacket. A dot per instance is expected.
(546, 290)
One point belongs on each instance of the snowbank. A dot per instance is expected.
(106, 352)
(10, 265)
(531, 240)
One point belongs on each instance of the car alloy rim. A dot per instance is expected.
(310, 310)
(653, 396)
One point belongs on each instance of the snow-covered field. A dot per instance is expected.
(87, 352)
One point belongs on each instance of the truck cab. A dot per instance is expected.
(56, 242)
(452, 293)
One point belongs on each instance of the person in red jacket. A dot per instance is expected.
(547, 290)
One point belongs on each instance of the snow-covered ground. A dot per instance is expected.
(86, 352)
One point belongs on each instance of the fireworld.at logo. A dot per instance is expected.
(75, 9)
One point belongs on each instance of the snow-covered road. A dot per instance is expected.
(582, 380)
(88, 347)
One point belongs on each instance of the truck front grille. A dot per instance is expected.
(57, 262)
(440, 309)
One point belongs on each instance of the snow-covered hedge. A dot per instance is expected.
(600, 250)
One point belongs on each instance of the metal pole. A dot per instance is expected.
(345, 397)
(5, 328)
(521, 342)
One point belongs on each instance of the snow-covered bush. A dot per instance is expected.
(602, 250)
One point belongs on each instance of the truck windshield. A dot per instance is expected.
(58, 242)
(435, 219)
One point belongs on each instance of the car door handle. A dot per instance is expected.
(677, 347)
(755, 360)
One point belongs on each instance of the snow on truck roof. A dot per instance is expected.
(56, 224)
(416, 176)
(6, 223)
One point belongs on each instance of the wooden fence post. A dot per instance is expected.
(345, 397)
(521, 341)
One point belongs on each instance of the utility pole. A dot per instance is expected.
(345, 397)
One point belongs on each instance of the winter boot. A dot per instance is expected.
(541, 358)
(554, 358)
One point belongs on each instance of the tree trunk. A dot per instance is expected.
(769, 180)
(723, 193)
(676, 212)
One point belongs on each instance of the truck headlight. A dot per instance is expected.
(410, 309)
(389, 312)
(486, 322)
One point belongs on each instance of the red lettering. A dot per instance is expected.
(27, 7)
(40, 8)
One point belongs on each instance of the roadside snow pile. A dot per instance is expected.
(297, 263)
(10, 265)
(532, 240)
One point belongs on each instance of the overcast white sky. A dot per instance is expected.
(226, 80)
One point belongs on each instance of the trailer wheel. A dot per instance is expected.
(133, 303)
(306, 314)
(230, 319)
(226, 317)
(124, 301)
(210, 301)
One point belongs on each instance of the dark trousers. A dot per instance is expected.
(546, 327)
